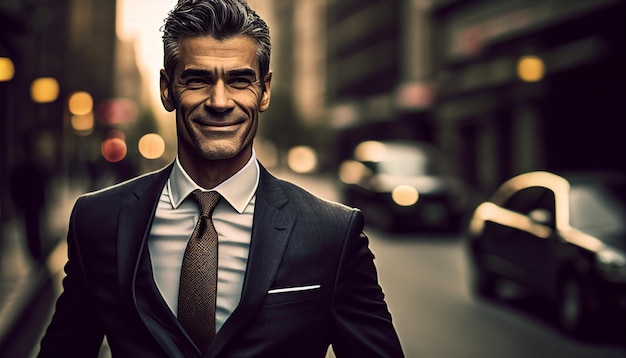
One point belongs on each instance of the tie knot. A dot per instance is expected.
(207, 201)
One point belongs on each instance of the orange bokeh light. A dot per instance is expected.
(113, 149)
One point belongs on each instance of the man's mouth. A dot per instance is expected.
(217, 124)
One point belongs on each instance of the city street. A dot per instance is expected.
(424, 279)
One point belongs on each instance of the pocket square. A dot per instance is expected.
(293, 289)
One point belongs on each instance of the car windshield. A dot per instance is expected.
(594, 208)
(408, 161)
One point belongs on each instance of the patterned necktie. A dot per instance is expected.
(198, 275)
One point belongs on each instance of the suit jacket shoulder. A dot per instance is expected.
(118, 194)
(128, 188)
(311, 205)
(101, 209)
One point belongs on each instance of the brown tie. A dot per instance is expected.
(198, 275)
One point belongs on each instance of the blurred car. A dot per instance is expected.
(402, 185)
(562, 237)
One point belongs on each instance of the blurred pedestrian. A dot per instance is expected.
(294, 273)
(29, 181)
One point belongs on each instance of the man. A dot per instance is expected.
(295, 274)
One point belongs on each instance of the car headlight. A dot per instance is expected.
(611, 264)
(405, 195)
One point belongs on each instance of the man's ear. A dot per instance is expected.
(265, 100)
(166, 95)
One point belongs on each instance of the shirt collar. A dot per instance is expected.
(238, 190)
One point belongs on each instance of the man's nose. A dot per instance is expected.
(219, 99)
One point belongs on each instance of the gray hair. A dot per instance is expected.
(220, 19)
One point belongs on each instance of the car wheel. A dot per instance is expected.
(572, 308)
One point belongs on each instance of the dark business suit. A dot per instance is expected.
(298, 240)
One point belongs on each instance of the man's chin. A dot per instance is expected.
(219, 151)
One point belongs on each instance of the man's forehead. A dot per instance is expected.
(238, 50)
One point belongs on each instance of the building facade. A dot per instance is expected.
(501, 87)
(496, 119)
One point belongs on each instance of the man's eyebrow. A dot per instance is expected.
(241, 72)
(194, 72)
(238, 72)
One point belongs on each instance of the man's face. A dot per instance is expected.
(216, 92)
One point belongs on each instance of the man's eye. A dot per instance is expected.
(240, 82)
(195, 82)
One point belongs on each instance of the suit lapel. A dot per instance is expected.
(133, 227)
(135, 269)
(272, 226)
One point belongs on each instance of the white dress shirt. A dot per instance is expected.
(173, 224)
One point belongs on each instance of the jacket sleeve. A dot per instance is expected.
(73, 331)
(362, 323)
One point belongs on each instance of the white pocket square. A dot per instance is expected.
(293, 289)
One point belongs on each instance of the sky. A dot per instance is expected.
(140, 21)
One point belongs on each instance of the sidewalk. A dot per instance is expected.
(22, 280)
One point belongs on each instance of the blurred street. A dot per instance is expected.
(423, 276)
(425, 280)
(28, 289)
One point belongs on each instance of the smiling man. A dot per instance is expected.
(212, 255)
(216, 91)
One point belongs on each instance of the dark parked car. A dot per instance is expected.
(402, 185)
(562, 237)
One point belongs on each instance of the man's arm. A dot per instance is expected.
(363, 326)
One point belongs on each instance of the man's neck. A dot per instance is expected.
(209, 173)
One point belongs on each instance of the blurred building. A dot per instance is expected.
(297, 114)
(526, 85)
(502, 87)
(58, 49)
(379, 71)
(32, 40)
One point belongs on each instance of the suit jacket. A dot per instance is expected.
(298, 240)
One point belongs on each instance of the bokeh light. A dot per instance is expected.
(405, 195)
(83, 124)
(44, 90)
(7, 70)
(530, 68)
(151, 146)
(369, 151)
(80, 103)
(302, 159)
(113, 149)
(116, 111)
(351, 172)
